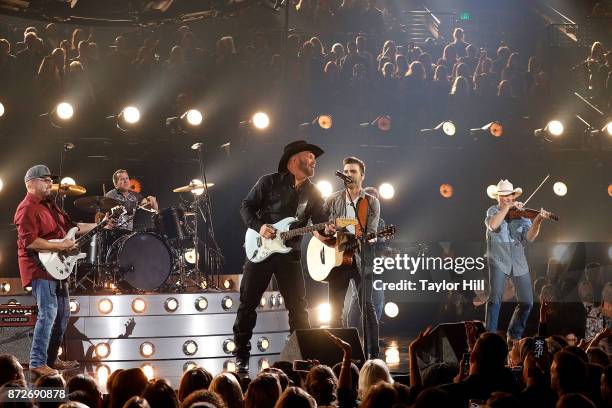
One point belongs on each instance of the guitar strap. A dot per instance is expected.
(300, 212)
(362, 216)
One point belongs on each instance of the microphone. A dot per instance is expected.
(343, 177)
(196, 146)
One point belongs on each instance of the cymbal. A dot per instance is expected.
(190, 187)
(96, 203)
(69, 189)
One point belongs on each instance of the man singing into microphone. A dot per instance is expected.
(367, 209)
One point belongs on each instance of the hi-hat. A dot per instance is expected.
(191, 186)
(69, 189)
(96, 203)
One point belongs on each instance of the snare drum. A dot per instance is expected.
(170, 223)
(144, 259)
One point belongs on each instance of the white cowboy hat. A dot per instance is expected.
(504, 188)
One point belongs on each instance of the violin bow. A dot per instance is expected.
(537, 188)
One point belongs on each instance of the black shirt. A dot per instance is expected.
(275, 197)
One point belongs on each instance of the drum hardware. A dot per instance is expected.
(95, 204)
(69, 190)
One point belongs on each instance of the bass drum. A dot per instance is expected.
(143, 258)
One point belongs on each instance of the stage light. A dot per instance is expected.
(324, 313)
(608, 129)
(28, 289)
(147, 349)
(196, 183)
(74, 306)
(386, 190)
(6, 287)
(262, 301)
(227, 303)
(190, 256)
(189, 365)
(228, 284)
(560, 188)
(447, 127)
(201, 304)
(610, 190)
(1, 109)
(260, 120)
(382, 123)
(1, 184)
(105, 306)
(553, 128)
(190, 347)
(193, 117)
(324, 122)
(559, 251)
(139, 305)
(281, 300)
(127, 118)
(67, 181)
(325, 188)
(391, 309)
(264, 364)
(446, 190)
(263, 344)
(171, 304)
(229, 346)
(148, 371)
(102, 374)
(64, 111)
(494, 128)
(491, 191)
(103, 350)
(392, 355)
(229, 366)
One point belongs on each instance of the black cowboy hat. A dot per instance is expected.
(294, 148)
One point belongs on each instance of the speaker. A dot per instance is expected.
(314, 344)
(17, 340)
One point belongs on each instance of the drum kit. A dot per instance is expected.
(164, 257)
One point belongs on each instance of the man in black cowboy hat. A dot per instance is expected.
(287, 193)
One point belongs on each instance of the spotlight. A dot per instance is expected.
(103, 350)
(74, 306)
(1, 109)
(560, 188)
(139, 305)
(494, 128)
(446, 190)
(229, 366)
(189, 365)
(201, 304)
(553, 128)
(190, 256)
(392, 355)
(324, 313)
(28, 289)
(5, 287)
(105, 306)
(127, 118)
(386, 190)
(67, 181)
(228, 284)
(382, 123)
(64, 111)
(229, 346)
(227, 303)
(1, 184)
(148, 371)
(147, 349)
(607, 128)
(102, 374)
(262, 301)
(263, 344)
(187, 121)
(193, 117)
(190, 347)
(324, 122)
(610, 190)
(491, 190)
(263, 364)
(391, 309)
(447, 127)
(171, 304)
(325, 188)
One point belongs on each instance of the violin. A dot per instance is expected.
(515, 214)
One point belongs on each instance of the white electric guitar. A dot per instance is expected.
(61, 264)
(259, 248)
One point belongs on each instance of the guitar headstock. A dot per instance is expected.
(344, 222)
(386, 232)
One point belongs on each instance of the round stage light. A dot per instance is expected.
(28, 289)
(227, 303)
(67, 181)
(609, 190)
(1, 109)
(105, 306)
(1, 184)
(391, 309)
(190, 347)
(325, 122)
(197, 191)
(139, 305)
(386, 191)
(263, 301)
(446, 190)
(560, 188)
(148, 371)
(555, 128)
(607, 128)
(189, 365)
(261, 120)
(324, 313)
(449, 128)
(147, 349)
(171, 304)
(194, 117)
(496, 129)
(392, 355)
(263, 364)
(6, 287)
(64, 111)
(201, 304)
(74, 306)
(229, 366)
(383, 123)
(492, 191)
(229, 346)
(103, 350)
(228, 284)
(325, 188)
(131, 115)
(263, 344)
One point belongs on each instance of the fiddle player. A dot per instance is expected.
(506, 240)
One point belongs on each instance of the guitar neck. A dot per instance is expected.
(83, 239)
(304, 230)
(355, 243)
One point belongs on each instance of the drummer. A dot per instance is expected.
(129, 198)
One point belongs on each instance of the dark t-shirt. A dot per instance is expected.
(130, 201)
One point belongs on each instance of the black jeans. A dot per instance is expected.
(255, 280)
(339, 280)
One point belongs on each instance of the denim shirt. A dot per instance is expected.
(506, 244)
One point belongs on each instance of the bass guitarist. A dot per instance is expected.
(38, 219)
(287, 193)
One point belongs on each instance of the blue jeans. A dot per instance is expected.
(53, 313)
(352, 313)
(522, 286)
